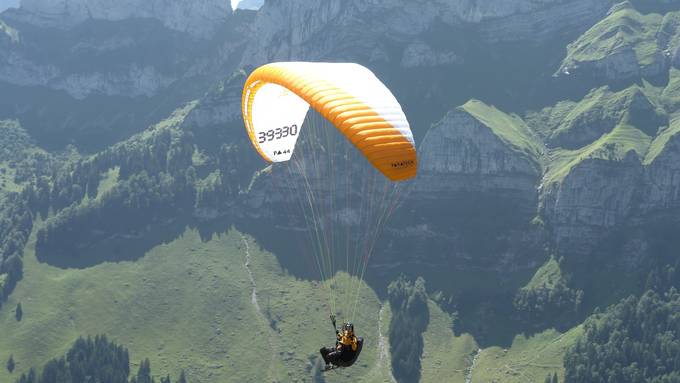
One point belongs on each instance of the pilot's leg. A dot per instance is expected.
(324, 353)
(335, 357)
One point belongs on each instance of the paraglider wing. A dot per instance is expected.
(277, 96)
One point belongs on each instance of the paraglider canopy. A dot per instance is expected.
(343, 173)
(277, 96)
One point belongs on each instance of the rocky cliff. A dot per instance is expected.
(601, 198)
(200, 18)
(121, 65)
(625, 45)
(136, 55)
(344, 30)
(475, 196)
(462, 153)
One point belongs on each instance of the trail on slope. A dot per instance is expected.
(468, 376)
(265, 322)
(382, 347)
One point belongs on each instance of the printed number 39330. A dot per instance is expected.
(278, 133)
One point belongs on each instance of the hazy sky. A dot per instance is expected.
(234, 3)
(4, 4)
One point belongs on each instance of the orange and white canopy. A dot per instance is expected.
(277, 96)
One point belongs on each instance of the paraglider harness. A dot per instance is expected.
(347, 347)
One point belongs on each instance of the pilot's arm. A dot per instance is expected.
(354, 342)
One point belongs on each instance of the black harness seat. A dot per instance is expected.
(348, 358)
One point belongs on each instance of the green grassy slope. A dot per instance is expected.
(659, 143)
(596, 103)
(189, 304)
(601, 110)
(185, 304)
(671, 92)
(181, 306)
(623, 29)
(547, 275)
(10, 32)
(446, 357)
(613, 146)
(529, 360)
(509, 128)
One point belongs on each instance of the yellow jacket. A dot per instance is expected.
(347, 339)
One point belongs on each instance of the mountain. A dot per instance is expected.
(134, 206)
(101, 72)
(624, 45)
(199, 18)
(340, 30)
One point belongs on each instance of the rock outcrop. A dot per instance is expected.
(461, 154)
(346, 29)
(595, 197)
(200, 18)
(475, 195)
(601, 111)
(600, 197)
(419, 54)
(661, 184)
(625, 45)
(123, 54)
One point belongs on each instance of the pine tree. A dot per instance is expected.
(31, 378)
(10, 364)
(554, 378)
(18, 313)
(182, 377)
(144, 373)
(547, 379)
(410, 317)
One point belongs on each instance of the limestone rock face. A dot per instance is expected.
(134, 83)
(599, 198)
(419, 54)
(468, 175)
(199, 17)
(346, 29)
(460, 154)
(626, 45)
(661, 184)
(221, 108)
(676, 57)
(619, 66)
(595, 197)
(133, 57)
